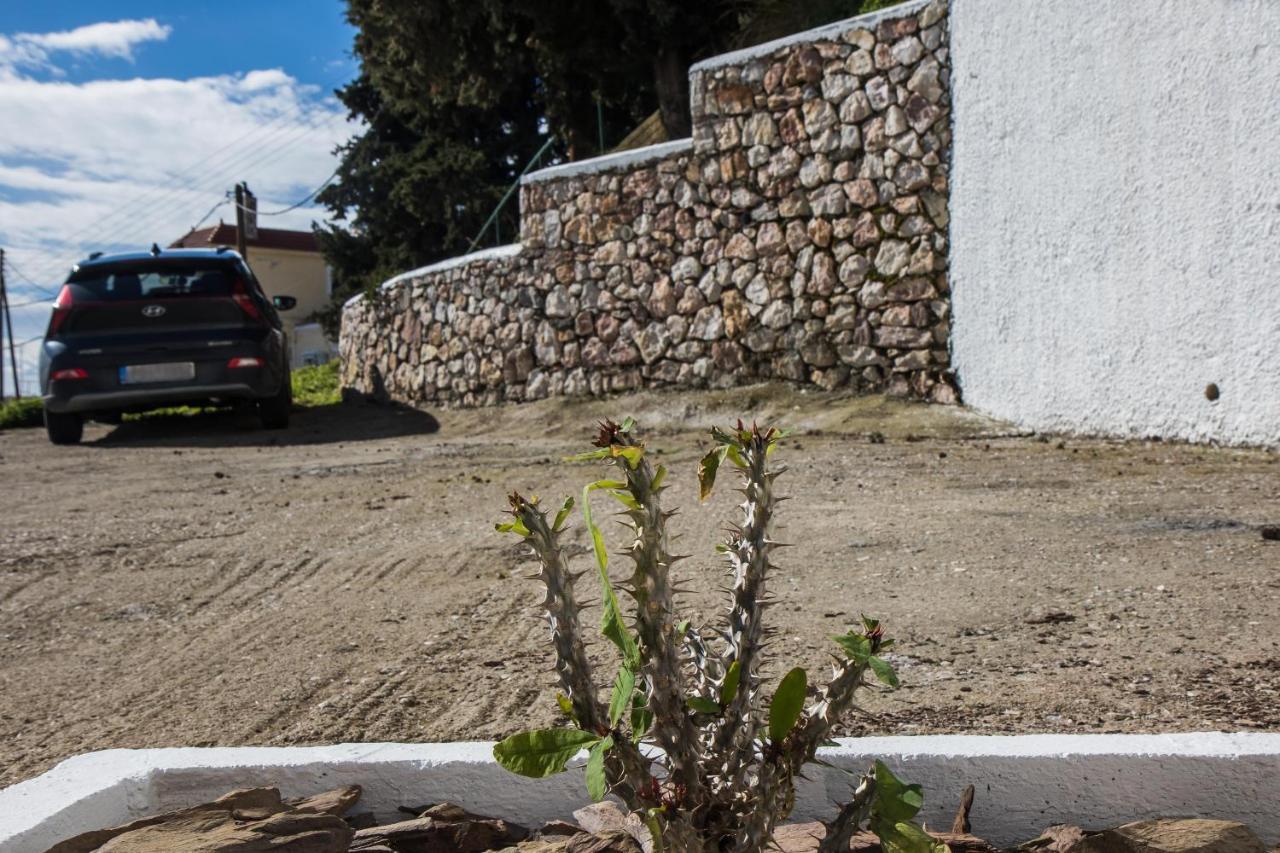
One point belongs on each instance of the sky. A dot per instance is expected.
(126, 123)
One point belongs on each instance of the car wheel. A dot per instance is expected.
(274, 411)
(63, 428)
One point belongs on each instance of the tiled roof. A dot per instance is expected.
(268, 238)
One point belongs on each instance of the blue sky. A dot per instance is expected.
(127, 122)
(309, 39)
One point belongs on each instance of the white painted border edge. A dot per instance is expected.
(510, 250)
(827, 31)
(1024, 782)
(608, 162)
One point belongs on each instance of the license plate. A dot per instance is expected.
(172, 372)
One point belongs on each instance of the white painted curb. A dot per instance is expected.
(1024, 783)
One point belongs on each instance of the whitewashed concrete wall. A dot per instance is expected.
(1024, 782)
(1115, 215)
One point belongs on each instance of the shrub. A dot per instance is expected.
(25, 412)
(724, 774)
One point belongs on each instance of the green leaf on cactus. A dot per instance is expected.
(565, 508)
(906, 837)
(541, 752)
(856, 646)
(787, 704)
(703, 705)
(659, 477)
(623, 686)
(883, 671)
(652, 819)
(597, 784)
(588, 456)
(632, 454)
(516, 526)
(895, 801)
(707, 470)
(729, 687)
(626, 500)
(641, 716)
(566, 706)
(611, 623)
(735, 457)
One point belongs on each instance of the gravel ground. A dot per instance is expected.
(199, 582)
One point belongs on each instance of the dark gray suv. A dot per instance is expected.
(180, 326)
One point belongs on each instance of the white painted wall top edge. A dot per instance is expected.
(496, 253)
(1030, 780)
(826, 31)
(609, 162)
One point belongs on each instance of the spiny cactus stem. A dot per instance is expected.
(840, 831)
(836, 701)
(749, 557)
(655, 624)
(562, 610)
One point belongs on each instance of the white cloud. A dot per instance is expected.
(113, 39)
(112, 164)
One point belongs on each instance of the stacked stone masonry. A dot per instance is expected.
(800, 235)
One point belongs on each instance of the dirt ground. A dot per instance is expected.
(199, 582)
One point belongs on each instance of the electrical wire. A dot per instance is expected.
(28, 279)
(299, 204)
(167, 209)
(29, 302)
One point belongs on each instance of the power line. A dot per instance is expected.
(299, 204)
(243, 161)
(30, 302)
(158, 193)
(28, 279)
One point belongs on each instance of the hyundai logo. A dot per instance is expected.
(153, 311)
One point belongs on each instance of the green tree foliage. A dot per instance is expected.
(457, 95)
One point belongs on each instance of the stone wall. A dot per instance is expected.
(801, 235)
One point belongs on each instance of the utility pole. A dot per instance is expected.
(8, 321)
(240, 219)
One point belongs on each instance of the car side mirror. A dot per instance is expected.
(284, 303)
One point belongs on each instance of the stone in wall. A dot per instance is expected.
(801, 235)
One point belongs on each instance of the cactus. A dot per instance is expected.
(723, 774)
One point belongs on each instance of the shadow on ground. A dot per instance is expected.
(341, 422)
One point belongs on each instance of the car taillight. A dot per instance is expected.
(70, 373)
(240, 293)
(61, 308)
(245, 362)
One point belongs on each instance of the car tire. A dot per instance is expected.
(274, 411)
(63, 428)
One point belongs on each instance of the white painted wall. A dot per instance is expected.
(1024, 782)
(1115, 215)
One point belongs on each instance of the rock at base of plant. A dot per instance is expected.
(1166, 835)
(613, 841)
(805, 838)
(1058, 838)
(606, 816)
(444, 828)
(335, 802)
(246, 821)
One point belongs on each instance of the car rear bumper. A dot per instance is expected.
(97, 401)
(216, 370)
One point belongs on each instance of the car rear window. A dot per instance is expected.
(169, 282)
